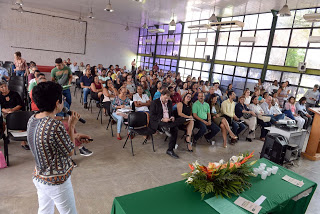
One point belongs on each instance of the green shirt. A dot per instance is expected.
(201, 110)
(62, 76)
(32, 85)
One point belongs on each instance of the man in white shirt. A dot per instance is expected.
(74, 67)
(312, 95)
(141, 101)
(267, 108)
(273, 88)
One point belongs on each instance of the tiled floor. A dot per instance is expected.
(112, 171)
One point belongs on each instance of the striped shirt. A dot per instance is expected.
(21, 64)
(50, 145)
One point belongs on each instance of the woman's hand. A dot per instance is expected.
(73, 119)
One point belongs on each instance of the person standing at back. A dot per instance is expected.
(21, 64)
(62, 75)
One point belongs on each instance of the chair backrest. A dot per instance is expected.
(137, 120)
(18, 79)
(78, 83)
(18, 120)
(19, 89)
(78, 73)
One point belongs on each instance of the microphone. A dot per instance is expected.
(67, 111)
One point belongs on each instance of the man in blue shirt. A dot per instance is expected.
(85, 82)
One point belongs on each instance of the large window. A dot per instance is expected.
(290, 44)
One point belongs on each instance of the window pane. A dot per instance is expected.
(168, 62)
(241, 71)
(221, 53)
(216, 77)
(286, 21)
(204, 76)
(209, 51)
(251, 83)
(199, 52)
(277, 56)
(293, 78)
(312, 58)
(300, 37)
(309, 80)
(181, 71)
(258, 55)
(244, 54)
(174, 62)
(192, 40)
(232, 53)
(315, 32)
(169, 50)
(228, 69)
(273, 75)
(262, 38)
(206, 66)
(226, 80)
(265, 21)
(254, 73)
(182, 63)
(239, 82)
(234, 38)
(189, 64)
(281, 38)
(217, 68)
(301, 92)
(248, 33)
(177, 39)
(191, 51)
(195, 73)
(175, 50)
(164, 39)
(197, 65)
(299, 21)
(250, 22)
(185, 39)
(223, 38)
(211, 38)
(184, 51)
(294, 56)
(187, 72)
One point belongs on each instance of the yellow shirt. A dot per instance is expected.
(228, 108)
(113, 76)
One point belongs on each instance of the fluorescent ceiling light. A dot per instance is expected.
(285, 11)
(19, 2)
(138, 0)
(109, 7)
(313, 17)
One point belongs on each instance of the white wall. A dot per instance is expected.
(107, 43)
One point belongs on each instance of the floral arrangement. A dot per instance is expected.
(221, 178)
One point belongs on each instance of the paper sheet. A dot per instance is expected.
(19, 134)
(223, 206)
(248, 205)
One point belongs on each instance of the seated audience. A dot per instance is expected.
(261, 120)
(217, 118)
(195, 90)
(217, 90)
(201, 113)
(34, 81)
(130, 85)
(268, 110)
(4, 75)
(81, 67)
(10, 102)
(184, 90)
(302, 111)
(184, 110)
(121, 101)
(247, 96)
(175, 97)
(109, 93)
(259, 84)
(161, 118)
(141, 100)
(85, 83)
(103, 77)
(84, 71)
(144, 86)
(96, 89)
(228, 111)
(157, 95)
(290, 111)
(273, 88)
(249, 117)
(74, 67)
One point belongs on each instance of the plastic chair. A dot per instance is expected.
(16, 121)
(138, 124)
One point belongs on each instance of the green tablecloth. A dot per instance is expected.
(179, 198)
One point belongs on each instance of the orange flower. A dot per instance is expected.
(212, 165)
(238, 164)
(191, 167)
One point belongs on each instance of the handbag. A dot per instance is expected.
(264, 118)
(247, 115)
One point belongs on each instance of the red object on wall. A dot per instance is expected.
(43, 68)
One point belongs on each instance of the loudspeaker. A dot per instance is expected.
(207, 58)
(274, 148)
(302, 67)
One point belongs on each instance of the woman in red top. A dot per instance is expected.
(21, 64)
(96, 88)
